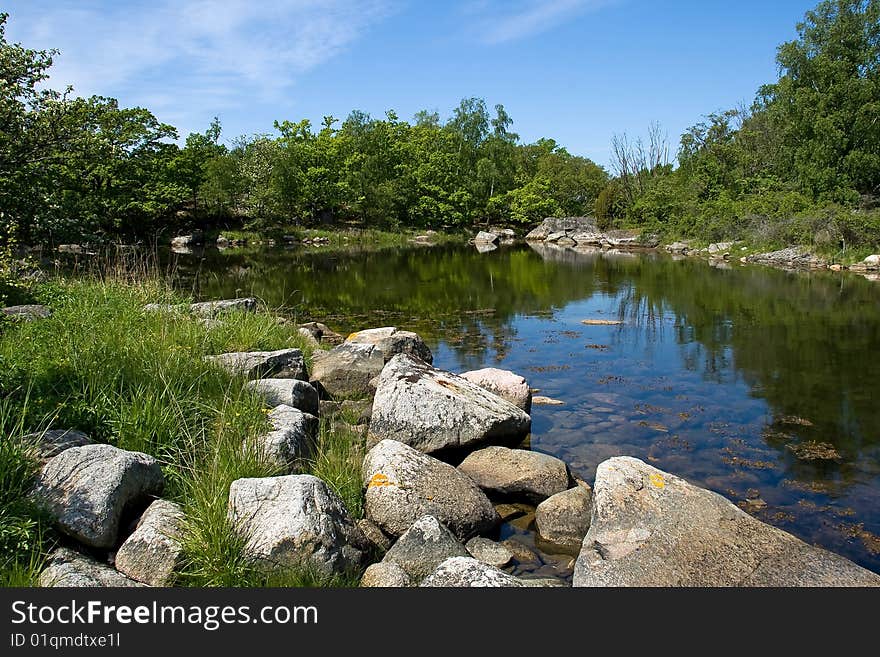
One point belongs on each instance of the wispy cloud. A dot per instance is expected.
(500, 21)
(168, 54)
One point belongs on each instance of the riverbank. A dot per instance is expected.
(141, 368)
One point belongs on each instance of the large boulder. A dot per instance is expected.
(214, 308)
(503, 383)
(468, 572)
(291, 392)
(516, 473)
(295, 520)
(86, 490)
(484, 237)
(154, 552)
(423, 547)
(346, 370)
(51, 443)
(403, 485)
(69, 569)
(27, 313)
(292, 443)
(433, 410)
(564, 225)
(651, 528)
(564, 518)
(391, 341)
(280, 364)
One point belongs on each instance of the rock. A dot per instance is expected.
(650, 528)
(27, 313)
(403, 485)
(214, 308)
(193, 239)
(678, 248)
(54, 441)
(486, 238)
(292, 443)
(540, 400)
(564, 518)
(295, 519)
(291, 392)
(433, 410)
(482, 247)
(380, 542)
(392, 341)
(503, 383)
(75, 249)
(719, 248)
(154, 552)
(872, 262)
(385, 574)
(522, 553)
(564, 225)
(346, 370)
(361, 411)
(516, 473)
(280, 364)
(86, 489)
(309, 338)
(792, 257)
(66, 568)
(322, 333)
(489, 552)
(467, 572)
(423, 547)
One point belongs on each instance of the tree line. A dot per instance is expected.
(800, 164)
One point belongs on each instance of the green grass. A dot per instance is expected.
(138, 381)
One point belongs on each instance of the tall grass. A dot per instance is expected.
(138, 380)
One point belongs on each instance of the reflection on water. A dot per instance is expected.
(731, 377)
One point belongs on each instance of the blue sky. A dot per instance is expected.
(578, 71)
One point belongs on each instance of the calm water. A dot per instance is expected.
(714, 374)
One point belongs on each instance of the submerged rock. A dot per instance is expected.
(469, 572)
(69, 569)
(87, 488)
(423, 547)
(503, 383)
(279, 364)
(293, 520)
(346, 370)
(403, 485)
(490, 552)
(516, 473)
(650, 528)
(154, 551)
(433, 410)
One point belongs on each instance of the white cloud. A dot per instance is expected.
(499, 21)
(167, 54)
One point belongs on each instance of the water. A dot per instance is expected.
(714, 374)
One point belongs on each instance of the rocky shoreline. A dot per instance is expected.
(446, 464)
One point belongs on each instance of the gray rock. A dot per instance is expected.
(793, 257)
(516, 473)
(376, 537)
(296, 519)
(678, 248)
(467, 572)
(392, 341)
(27, 313)
(385, 574)
(489, 552)
(486, 238)
(192, 239)
(321, 333)
(432, 410)
(292, 443)
(346, 370)
(54, 441)
(564, 518)
(153, 553)
(86, 489)
(650, 528)
(279, 364)
(214, 308)
(565, 225)
(66, 568)
(291, 392)
(503, 383)
(403, 485)
(423, 547)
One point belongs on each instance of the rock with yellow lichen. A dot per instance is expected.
(651, 528)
